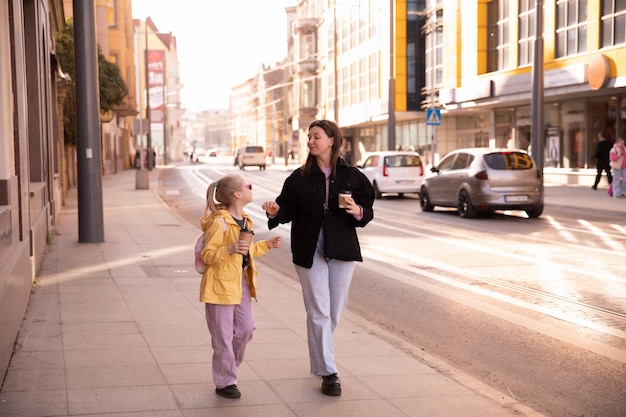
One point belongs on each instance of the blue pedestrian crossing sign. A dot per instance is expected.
(433, 117)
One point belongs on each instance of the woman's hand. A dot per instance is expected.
(271, 208)
(351, 206)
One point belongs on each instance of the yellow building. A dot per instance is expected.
(120, 51)
(486, 85)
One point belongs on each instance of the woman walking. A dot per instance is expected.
(325, 200)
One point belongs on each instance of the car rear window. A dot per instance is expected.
(506, 161)
(254, 149)
(403, 161)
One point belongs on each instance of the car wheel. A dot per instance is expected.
(465, 207)
(377, 192)
(401, 195)
(536, 212)
(425, 203)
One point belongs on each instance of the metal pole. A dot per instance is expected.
(391, 121)
(165, 121)
(335, 67)
(537, 128)
(89, 159)
(149, 152)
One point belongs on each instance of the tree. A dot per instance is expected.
(112, 87)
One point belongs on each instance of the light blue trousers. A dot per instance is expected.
(325, 288)
(619, 182)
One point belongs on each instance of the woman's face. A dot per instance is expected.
(320, 145)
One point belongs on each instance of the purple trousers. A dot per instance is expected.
(231, 328)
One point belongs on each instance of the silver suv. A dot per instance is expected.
(483, 180)
(251, 155)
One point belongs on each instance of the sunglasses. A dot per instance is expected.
(249, 186)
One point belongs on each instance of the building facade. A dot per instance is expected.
(486, 92)
(378, 68)
(30, 143)
(158, 88)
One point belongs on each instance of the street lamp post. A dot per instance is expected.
(149, 153)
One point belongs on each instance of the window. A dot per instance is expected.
(434, 58)
(613, 24)
(498, 24)
(571, 27)
(446, 163)
(308, 97)
(112, 13)
(527, 25)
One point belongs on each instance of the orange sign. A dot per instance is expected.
(598, 71)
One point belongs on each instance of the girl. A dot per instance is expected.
(230, 279)
(324, 242)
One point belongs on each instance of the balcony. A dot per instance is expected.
(305, 25)
(306, 66)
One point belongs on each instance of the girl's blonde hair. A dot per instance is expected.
(220, 194)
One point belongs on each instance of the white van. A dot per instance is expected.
(251, 155)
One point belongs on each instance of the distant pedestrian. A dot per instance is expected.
(324, 243)
(229, 282)
(618, 168)
(602, 160)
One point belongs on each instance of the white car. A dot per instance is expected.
(396, 172)
(250, 155)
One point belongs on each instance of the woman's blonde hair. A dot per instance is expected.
(220, 194)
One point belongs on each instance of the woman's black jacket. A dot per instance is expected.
(302, 201)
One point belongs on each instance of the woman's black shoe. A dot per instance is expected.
(331, 385)
(230, 391)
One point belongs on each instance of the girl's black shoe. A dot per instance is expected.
(230, 391)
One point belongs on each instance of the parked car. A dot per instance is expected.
(484, 180)
(397, 172)
(251, 155)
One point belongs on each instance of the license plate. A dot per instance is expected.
(402, 182)
(515, 198)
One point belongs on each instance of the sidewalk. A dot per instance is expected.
(584, 199)
(117, 327)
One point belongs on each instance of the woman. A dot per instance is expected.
(324, 242)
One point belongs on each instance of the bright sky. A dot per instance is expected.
(221, 43)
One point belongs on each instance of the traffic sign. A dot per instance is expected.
(433, 117)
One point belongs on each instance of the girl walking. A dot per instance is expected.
(229, 283)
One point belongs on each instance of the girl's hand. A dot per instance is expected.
(241, 247)
(275, 242)
(271, 208)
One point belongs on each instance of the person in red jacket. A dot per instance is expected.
(324, 242)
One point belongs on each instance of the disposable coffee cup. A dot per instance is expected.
(247, 235)
(342, 198)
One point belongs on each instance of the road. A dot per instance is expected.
(535, 308)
